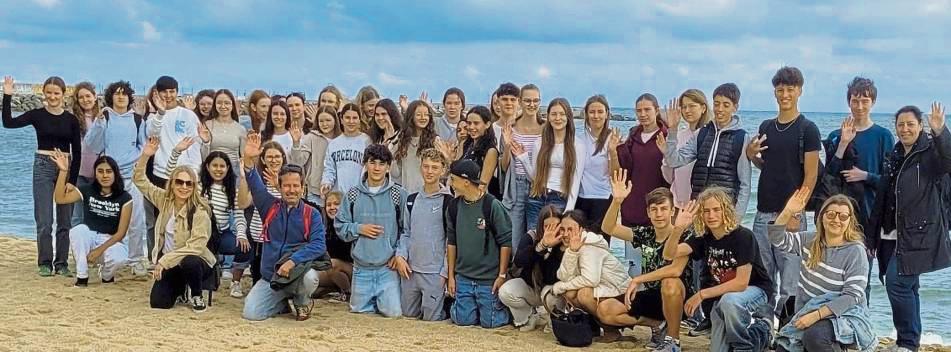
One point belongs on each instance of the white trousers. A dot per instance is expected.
(82, 240)
(135, 237)
(522, 300)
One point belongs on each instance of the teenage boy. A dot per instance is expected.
(863, 164)
(480, 245)
(666, 283)
(421, 255)
(369, 217)
(786, 150)
(741, 282)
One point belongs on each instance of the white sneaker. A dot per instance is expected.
(236, 290)
(226, 274)
(533, 322)
(139, 269)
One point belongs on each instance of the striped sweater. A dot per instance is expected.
(256, 226)
(843, 269)
(225, 212)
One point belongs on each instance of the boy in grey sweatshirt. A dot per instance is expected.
(369, 218)
(421, 253)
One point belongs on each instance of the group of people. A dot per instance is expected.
(501, 214)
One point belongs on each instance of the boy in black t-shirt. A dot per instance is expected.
(740, 280)
(786, 150)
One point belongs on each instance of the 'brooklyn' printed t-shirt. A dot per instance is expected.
(101, 213)
(734, 250)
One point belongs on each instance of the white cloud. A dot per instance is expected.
(936, 6)
(696, 8)
(149, 33)
(543, 72)
(389, 79)
(471, 72)
(683, 70)
(47, 3)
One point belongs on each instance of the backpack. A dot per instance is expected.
(138, 124)
(411, 199)
(272, 213)
(394, 196)
(824, 182)
(452, 210)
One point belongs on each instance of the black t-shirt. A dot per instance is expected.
(782, 169)
(101, 214)
(723, 256)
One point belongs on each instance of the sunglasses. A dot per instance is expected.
(831, 214)
(185, 183)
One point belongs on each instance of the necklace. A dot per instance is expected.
(776, 124)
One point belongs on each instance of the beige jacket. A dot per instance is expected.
(186, 243)
(312, 152)
(592, 266)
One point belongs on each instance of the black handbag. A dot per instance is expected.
(573, 327)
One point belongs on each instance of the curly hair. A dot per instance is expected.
(427, 135)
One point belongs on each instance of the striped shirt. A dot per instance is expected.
(224, 213)
(256, 226)
(527, 141)
(843, 269)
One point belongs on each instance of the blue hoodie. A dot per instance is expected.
(286, 230)
(118, 138)
(371, 208)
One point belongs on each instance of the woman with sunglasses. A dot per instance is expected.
(832, 277)
(181, 254)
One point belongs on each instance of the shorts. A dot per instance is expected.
(648, 304)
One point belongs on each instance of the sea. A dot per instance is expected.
(16, 215)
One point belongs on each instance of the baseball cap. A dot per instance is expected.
(466, 169)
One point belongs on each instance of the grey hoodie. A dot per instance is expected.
(677, 157)
(371, 208)
(424, 244)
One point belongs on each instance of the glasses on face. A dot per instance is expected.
(832, 214)
(184, 183)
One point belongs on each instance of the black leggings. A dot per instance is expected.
(818, 337)
(189, 273)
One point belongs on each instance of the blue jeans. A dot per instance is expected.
(535, 204)
(517, 213)
(78, 206)
(263, 302)
(906, 305)
(782, 266)
(735, 327)
(475, 303)
(375, 289)
(45, 173)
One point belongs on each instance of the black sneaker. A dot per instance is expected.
(110, 281)
(81, 282)
(198, 304)
(702, 329)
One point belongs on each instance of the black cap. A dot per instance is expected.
(166, 82)
(466, 169)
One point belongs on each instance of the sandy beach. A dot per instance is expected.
(49, 314)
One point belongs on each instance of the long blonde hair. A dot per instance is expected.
(697, 96)
(853, 231)
(722, 196)
(195, 200)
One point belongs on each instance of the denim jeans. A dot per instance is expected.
(77, 217)
(734, 319)
(375, 289)
(534, 206)
(475, 304)
(906, 305)
(782, 266)
(45, 173)
(517, 213)
(263, 302)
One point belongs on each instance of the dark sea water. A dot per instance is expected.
(16, 215)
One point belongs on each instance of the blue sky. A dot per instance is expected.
(569, 48)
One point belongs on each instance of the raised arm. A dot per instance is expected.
(26, 119)
(673, 248)
(64, 193)
(788, 241)
(149, 191)
(941, 139)
(620, 188)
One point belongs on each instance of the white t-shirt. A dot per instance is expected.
(646, 136)
(595, 180)
(375, 189)
(285, 140)
(557, 167)
(169, 244)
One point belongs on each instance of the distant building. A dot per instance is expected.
(20, 89)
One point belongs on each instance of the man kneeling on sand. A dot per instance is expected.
(293, 242)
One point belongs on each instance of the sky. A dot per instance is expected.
(570, 49)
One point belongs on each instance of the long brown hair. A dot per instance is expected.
(332, 111)
(606, 130)
(427, 135)
(363, 95)
(853, 231)
(543, 159)
(78, 110)
(234, 104)
(257, 118)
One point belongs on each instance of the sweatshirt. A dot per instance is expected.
(643, 162)
(286, 231)
(170, 128)
(314, 145)
(684, 155)
(424, 243)
(843, 269)
(117, 137)
(593, 266)
(477, 257)
(554, 178)
(406, 171)
(343, 163)
(371, 208)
